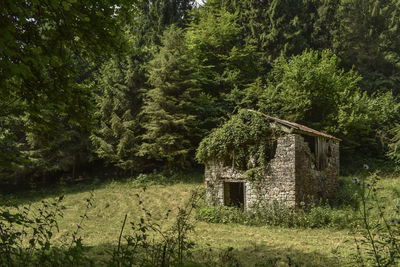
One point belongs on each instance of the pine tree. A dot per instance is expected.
(276, 27)
(369, 39)
(325, 25)
(118, 104)
(156, 15)
(122, 83)
(168, 112)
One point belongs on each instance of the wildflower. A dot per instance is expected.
(357, 181)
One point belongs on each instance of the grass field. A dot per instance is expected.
(251, 245)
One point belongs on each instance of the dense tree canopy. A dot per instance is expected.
(136, 85)
(40, 42)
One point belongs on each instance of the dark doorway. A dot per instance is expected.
(234, 194)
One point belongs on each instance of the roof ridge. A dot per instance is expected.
(297, 126)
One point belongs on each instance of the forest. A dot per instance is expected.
(127, 89)
(136, 88)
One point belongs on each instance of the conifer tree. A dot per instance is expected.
(276, 27)
(168, 111)
(369, 39)
(225, 63)
(118, 104)
(122, 82)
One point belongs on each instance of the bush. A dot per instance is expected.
(26, 237)
(150, 244)
(340, 212)
(276, 214)
(165, 177)
(379, 244)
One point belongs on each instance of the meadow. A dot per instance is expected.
(214, 243)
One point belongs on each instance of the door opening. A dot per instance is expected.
(234, 194)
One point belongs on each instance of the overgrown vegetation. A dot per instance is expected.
(116, 88)
(166, 73)
(151, 244)
(26, 235)
(160, 219)
(340, 212)
(380, 230)
(246, 135)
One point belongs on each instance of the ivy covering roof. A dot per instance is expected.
(247, 133)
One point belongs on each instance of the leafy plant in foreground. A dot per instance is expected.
(26, 236)
(380, 242)
(150, 244)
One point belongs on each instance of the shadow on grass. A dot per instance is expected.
(250, 255)
(72, 187)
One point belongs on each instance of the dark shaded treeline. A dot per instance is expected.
(165, 73)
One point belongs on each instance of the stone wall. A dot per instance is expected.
(313, 184)
(277, 183)
(291, 177)
(215, 176)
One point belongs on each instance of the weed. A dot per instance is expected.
(26, 236)
(152, 245)
(380, 242)
(276, 214)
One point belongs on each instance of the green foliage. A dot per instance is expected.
(155, 15)
(168, 111)
(394, 146)
(380, 241)
(284, 27)
(276, 214)
(118, 105)
(223, 61)
(122, 82)
(48, 50)
(165, 177)
(246, 134)
(40, 42)
(368, 39)
(311, 89)
(26, 235)
(150, 244)
(287, 26)
(40, 156)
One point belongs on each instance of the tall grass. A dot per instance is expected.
(341, 212)
(315, 237)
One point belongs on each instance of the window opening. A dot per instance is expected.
(320, 151)
(310, 140)
(234, 194)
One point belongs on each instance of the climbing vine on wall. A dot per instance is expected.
(246, 142)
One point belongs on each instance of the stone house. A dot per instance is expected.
(304, 168)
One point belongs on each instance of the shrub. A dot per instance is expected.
(150, 244)
(26, 236)
(276, 214)
(380, 229)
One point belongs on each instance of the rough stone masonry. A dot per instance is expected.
(305, 169)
